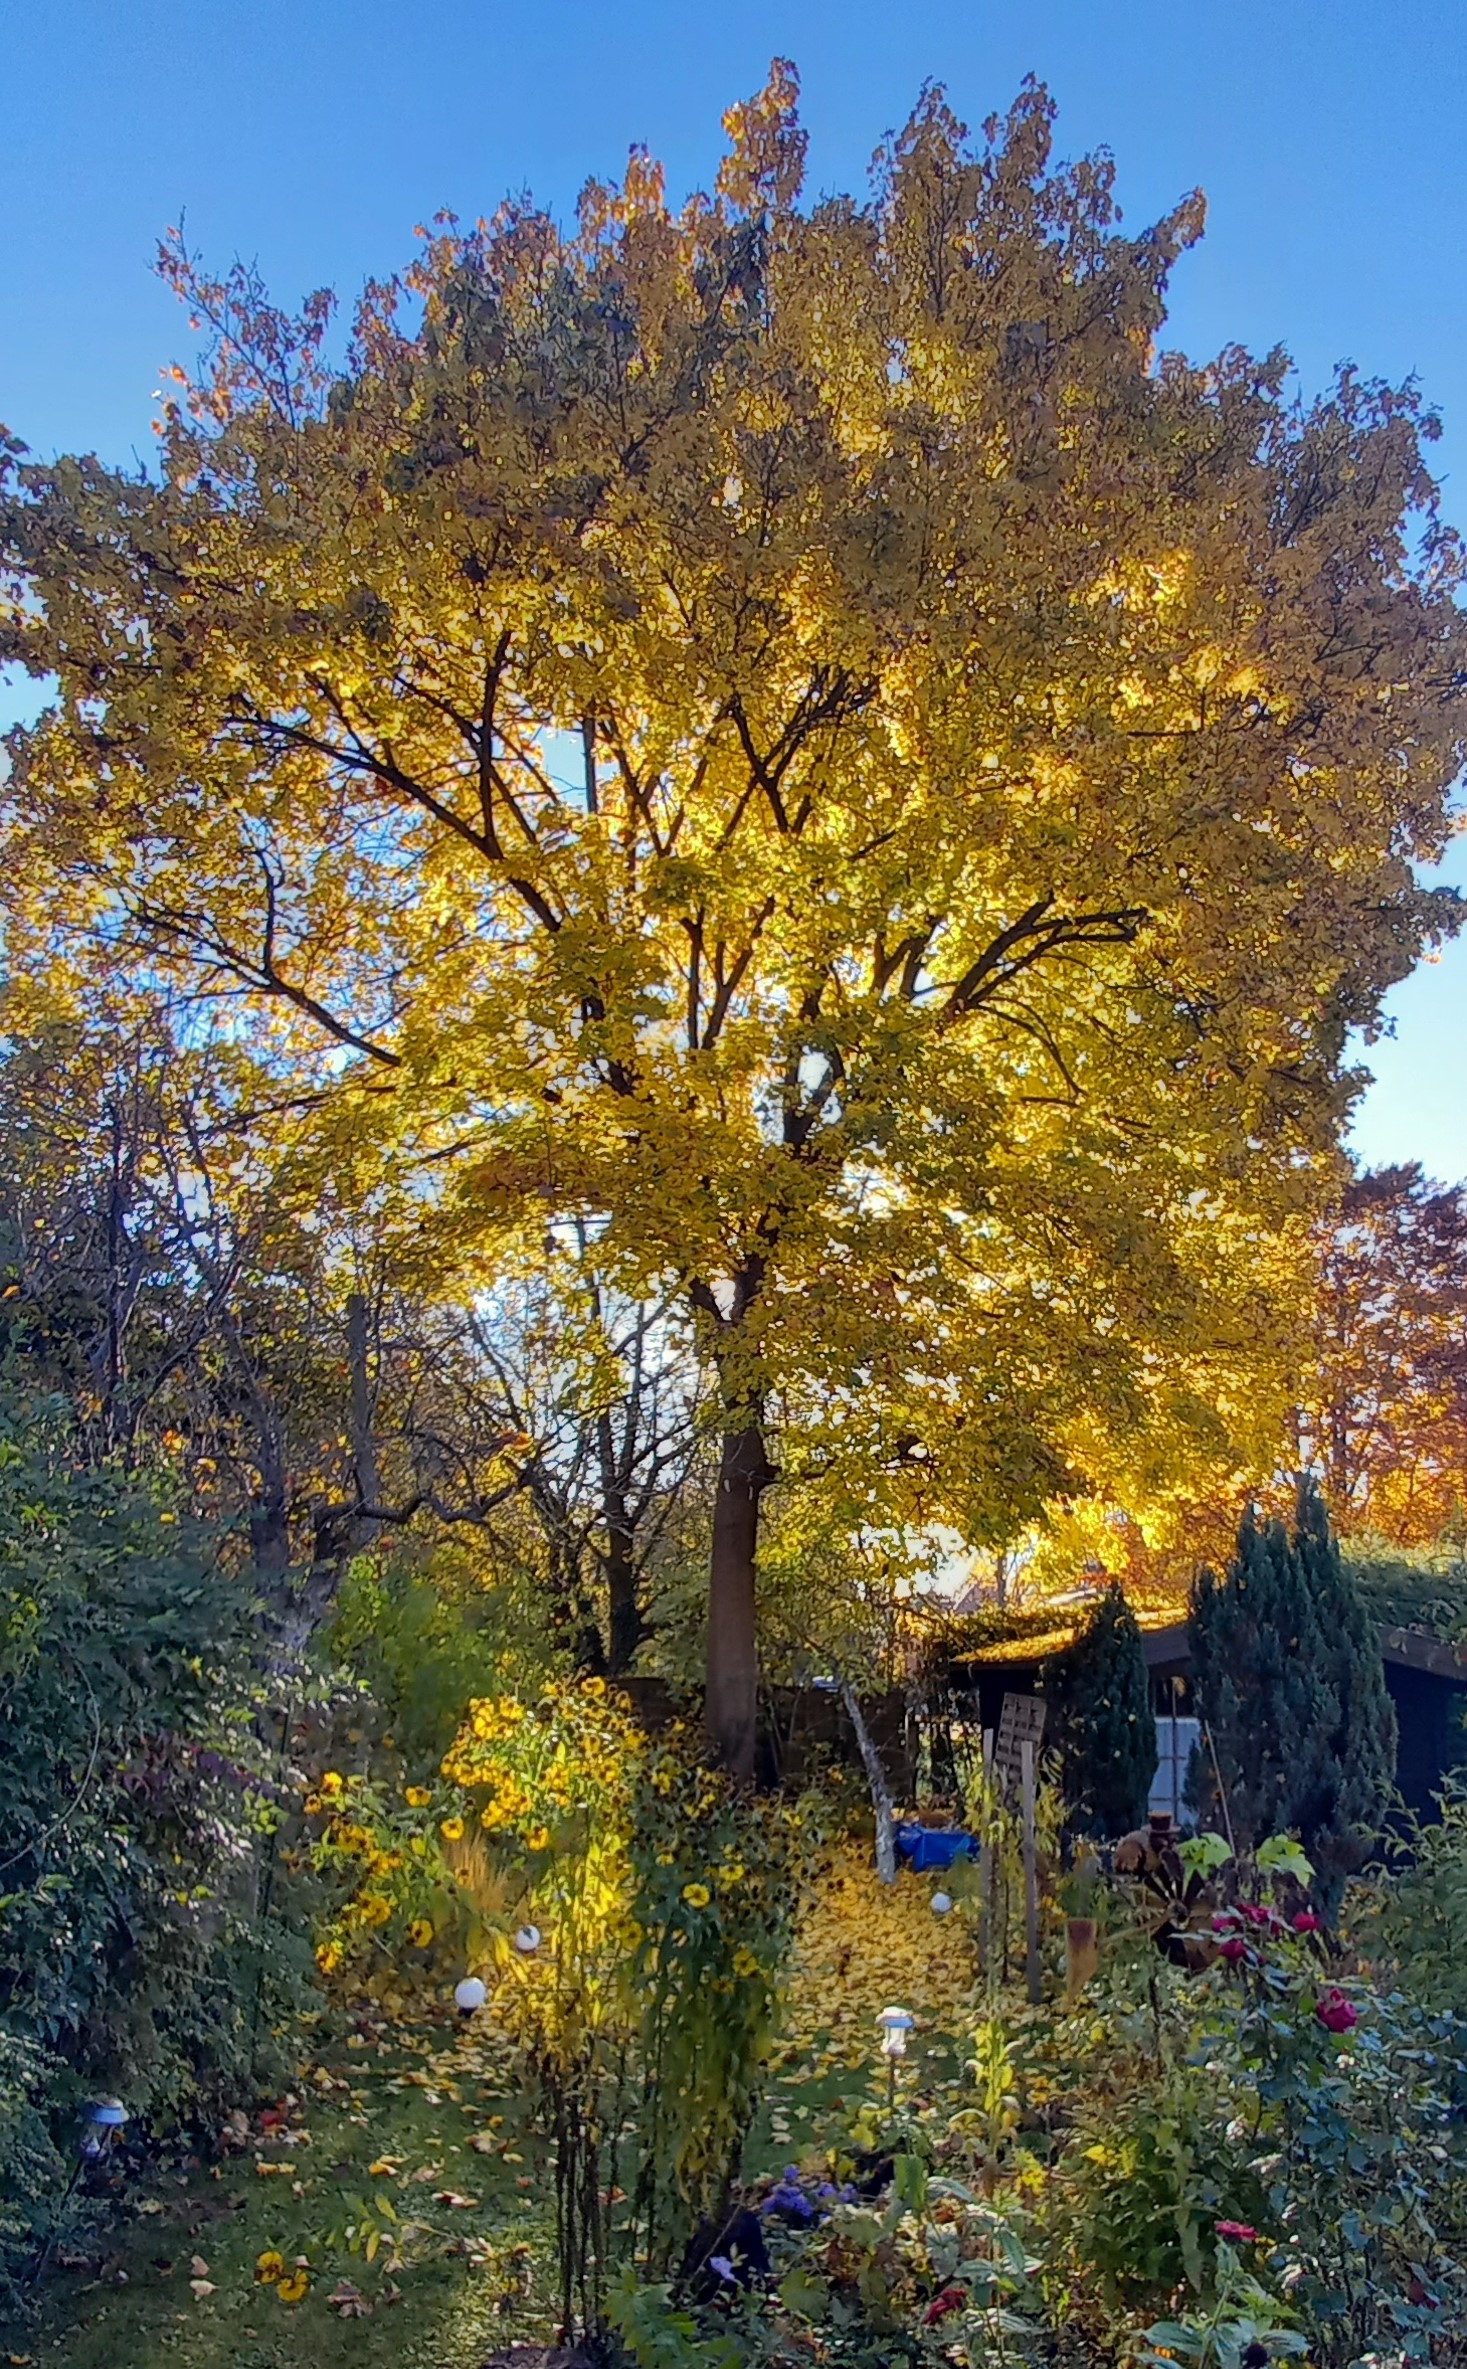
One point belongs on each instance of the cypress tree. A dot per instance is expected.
(1101, 1720)
(1353, 1773)
(1291, 1689)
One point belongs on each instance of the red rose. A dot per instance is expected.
(1234, 1951)
(951, 2299)
(1335, 2011)
(1306, 1921)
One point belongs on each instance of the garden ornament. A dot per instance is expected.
(941, 1903)
(527, 1940)
(469, 1995)
(895, 2024)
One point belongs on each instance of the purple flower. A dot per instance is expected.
(723, 2266)
(789, 2198)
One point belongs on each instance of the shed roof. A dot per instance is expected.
(1165, 1643)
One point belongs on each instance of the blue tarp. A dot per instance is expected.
(934, 1846)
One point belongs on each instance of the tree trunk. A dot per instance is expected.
(623, 1612)
(876, 1778)
(732, 1699)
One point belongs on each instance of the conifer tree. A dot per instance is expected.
(1100, 1705)
(1291, 1690)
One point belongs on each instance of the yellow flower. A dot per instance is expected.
(420, 1932)
(731, 1874)
(697, 1895)
(331, 1782)
(595, 1687)
(663, 1780)
(537, 1838)
(294, 2284)
(375, 1910)
(269, 2267)
(417, 1797)
(328, 1958)
(312, 1805)
(745, 1962)
(452, 1830)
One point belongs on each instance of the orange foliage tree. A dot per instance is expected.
(1383, 1417)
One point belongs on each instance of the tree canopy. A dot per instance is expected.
(801, 744)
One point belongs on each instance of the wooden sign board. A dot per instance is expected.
(1020, 1722)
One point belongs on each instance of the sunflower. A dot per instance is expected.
(697, 1895)
(451, 1829)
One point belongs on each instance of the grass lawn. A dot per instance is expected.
(422, 2135)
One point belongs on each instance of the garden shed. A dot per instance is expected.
(1426, 1678)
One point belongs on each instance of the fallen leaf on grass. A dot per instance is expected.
(385, 2167)
(450, 2196)
(349, 2301)
(199, 2267)
(484, 2143)
(201, 2288)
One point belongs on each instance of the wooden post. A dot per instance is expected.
(1032, 1970)
(985, 1864)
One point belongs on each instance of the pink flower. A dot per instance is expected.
(1254, 1914)
(1306, 1922)
(1234, 1951)
(1335, 2011)
(1238, 2231)
(1224, 1920)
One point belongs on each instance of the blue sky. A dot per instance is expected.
(312, 136)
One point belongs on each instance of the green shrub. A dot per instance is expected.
(134, 1800)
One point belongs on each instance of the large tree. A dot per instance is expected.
(799, 741)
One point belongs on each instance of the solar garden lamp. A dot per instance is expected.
(469, 1995)
(101, 2122)
(895, 2023)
